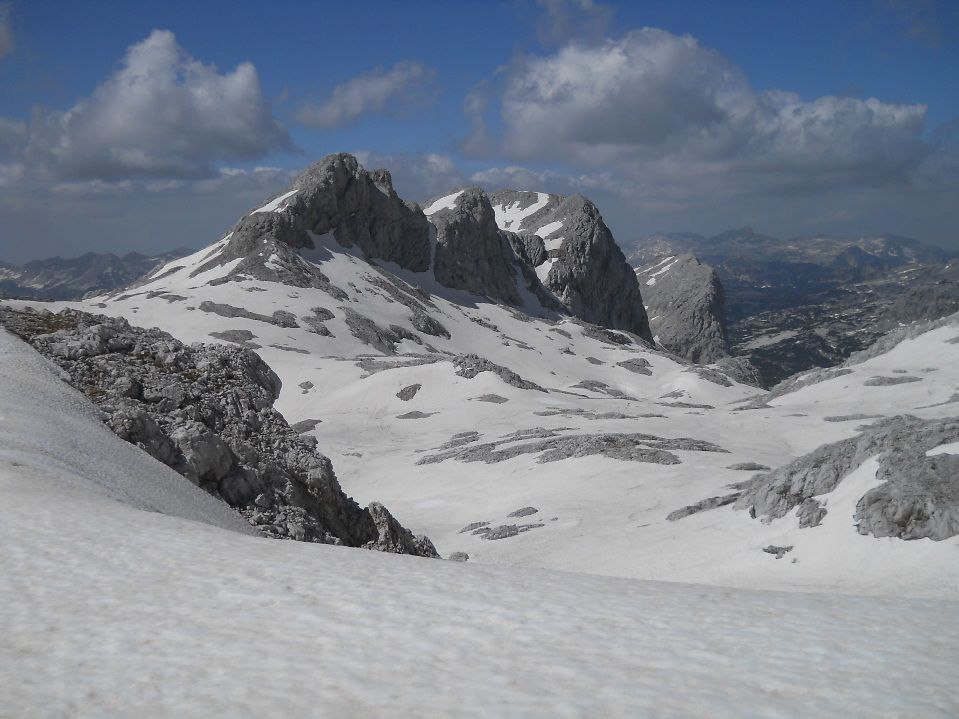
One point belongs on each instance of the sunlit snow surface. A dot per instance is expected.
(510, 217)
(110, 610)
(444, 203)
(951, 448)
(610, 515)
(277, 204)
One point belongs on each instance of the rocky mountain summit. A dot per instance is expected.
(71, 279)
(463, 242)
(685, 302)
(206, 411)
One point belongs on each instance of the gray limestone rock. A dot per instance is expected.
(315, 322)
(305, 425)
(749, 467)
(409, 392)
(368, 332)
(637, 365)
(470, 365)
(702, 506)
(427, 325)
(779, 552)
(886, 381)
(810, 513)
(850, 417)
(207, 412)
(472, 253)
(589, 274)
(502, 532)
(392, 537)
(239, 337)
(918, 497)
(523, 512)
(686, 306)
(551, 447)
(280, 318)
(492, 398)
(473, 526)
(593, 385)
(740, 369)
(415, 414)
(458, 557)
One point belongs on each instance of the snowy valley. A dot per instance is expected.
(641, 528)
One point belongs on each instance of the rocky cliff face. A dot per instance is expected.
(575, 257)
(472, 253)
(207, 412)
(686, 306)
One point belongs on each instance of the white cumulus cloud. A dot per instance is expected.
(651, 103)
(405, 85)
(161, 114)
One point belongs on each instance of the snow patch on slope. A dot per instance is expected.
(510, 217)
(444, 203)
(275, 205)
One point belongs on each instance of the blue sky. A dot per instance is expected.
(798, 118)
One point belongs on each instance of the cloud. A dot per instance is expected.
(516, 177)
(6, 31)
(562, 20)
(416, 177)
(162, 114)
(659, 108)
(407, 84)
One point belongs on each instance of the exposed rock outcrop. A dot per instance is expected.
(472, 253)
(918, 496)
(587, 270)
(207, 412)
(686, 307)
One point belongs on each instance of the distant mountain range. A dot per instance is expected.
(792, 305)
(760, 272)
(71, 279)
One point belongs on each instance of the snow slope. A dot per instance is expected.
(52, 436)
(597, 513)
(124, 608)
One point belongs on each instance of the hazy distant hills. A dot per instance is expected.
(70, 279)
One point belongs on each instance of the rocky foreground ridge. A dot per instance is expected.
(206, 411)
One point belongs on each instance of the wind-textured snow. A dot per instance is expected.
(110, 610)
